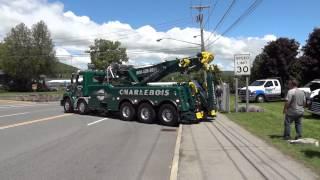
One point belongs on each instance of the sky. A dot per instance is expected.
(289, 18)
(138, 24)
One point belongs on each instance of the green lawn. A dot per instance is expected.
(268, 125)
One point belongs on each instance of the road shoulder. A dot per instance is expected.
(223, 150)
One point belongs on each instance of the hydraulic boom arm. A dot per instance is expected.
(156, 72)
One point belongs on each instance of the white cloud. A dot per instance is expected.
(73, 34)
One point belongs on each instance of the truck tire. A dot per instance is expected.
(168, 115)
(67, 106)
(82, 107)
(260, 99)
(146, 113)
(127, 111)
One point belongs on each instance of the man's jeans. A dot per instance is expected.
(297, 121)
(219, 103)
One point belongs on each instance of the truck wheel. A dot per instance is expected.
(260, 99)
(146, 113)
(168, 115)
(67, 106)
(82, 107)
(127, 111)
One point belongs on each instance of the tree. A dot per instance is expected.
(2, 52)
(43, 49)
(308, 65)
(16, 60)
(27, 54)
(312, 47)
(304, 69)
(105, 52)
(217, 75)
(275, 60)
(257, 67)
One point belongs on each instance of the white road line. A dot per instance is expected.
(7, 106)
(20, 106)
(176, 156)
(13, 106)
(97, 121)
(14, 114)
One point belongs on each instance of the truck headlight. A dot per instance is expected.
(100, 95)
(253, 93)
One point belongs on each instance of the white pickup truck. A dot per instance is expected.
(262, 90)
(314, 105)
(312, 88)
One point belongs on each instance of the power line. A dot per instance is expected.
(121, 33)
(225, 14)
(253, 6)
(191, 14)
(164, 24)
(211, 12)
(119, 37)
(83, 54)
(222, 19)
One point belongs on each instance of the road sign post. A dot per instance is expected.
(237, 98)
(247, 93)
(242, 67)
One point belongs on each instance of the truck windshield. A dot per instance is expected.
(308, 85)
(257, 83)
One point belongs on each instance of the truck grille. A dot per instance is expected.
(242, 92)
(315, 106)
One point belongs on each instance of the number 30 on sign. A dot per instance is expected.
(242, 64)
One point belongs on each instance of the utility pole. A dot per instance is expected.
(200, 21)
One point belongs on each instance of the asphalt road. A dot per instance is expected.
(39, 141)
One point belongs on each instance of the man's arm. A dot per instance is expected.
(285, 107)
(287, 103)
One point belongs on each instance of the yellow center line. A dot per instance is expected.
(33, 121)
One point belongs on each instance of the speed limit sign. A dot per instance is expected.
(242, 64)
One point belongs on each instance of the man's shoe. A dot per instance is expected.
(286, 138)
(298, 137)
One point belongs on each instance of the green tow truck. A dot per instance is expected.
(136, 92)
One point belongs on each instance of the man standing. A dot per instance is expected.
(293, 109)
(219, 92)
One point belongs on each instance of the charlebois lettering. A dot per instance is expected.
(146, 92)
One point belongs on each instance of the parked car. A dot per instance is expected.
(263, 90)
(55, 85)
